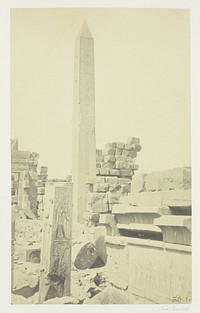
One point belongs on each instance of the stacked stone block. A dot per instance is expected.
(118, 158)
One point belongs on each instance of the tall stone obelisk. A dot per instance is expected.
(83, 140)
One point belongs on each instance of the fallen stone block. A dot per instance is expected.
(175, 229)
(88, 257)
(97, 237)
(177, 198)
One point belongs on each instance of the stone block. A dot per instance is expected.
(113, 197)
(131, 160)
(123, 165)
(40, 198)
(94, 217)
(126, 173)
(123, 181)
(117, 263)
(110, 145)
(114, 187)
(104, 171)
(43, 170)
(98, 165)
(110, 223)
(118, 151)
(114, 172)
(137, 147)
(43, 177)
(100, 179)
(177, 198)
(98, 152)
(98, 202)
(121, 158)
(41, 190)
(87, 256)
(97, 171)
(108, 151)
(97, 237)
(138, 183)
(99, 158)
(129, 199)
(100, 187)
(39, 183)
(112, 180)
(177, 178)
(107, 165)
(150, 198)
(132, 153)
(128, 146)
(175, 229)
(133, 140)
(109, 158)
(69, 178)
(120, 145)
(135, 167)
(125, 152)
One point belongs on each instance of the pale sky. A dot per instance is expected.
(142, 82)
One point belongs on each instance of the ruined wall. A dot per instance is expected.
(115, 166)
(148, 242)
(27, 236)
(28, 187)
(149, 271)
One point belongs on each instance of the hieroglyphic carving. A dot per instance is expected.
(56, 248)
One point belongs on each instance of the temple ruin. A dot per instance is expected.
(106, 235)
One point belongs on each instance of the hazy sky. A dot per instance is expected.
(142, 82)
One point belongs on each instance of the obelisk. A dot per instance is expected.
(83, 138)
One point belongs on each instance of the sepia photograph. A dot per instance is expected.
(101, 168)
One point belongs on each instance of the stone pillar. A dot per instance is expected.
(83, 141)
